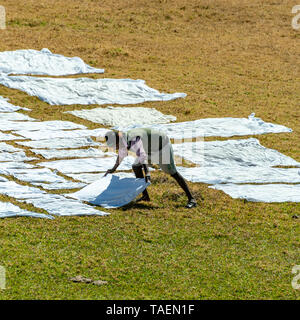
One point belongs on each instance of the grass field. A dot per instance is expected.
(232, 58)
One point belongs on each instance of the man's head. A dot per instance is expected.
(112, 139)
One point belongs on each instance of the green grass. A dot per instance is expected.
(232, 58)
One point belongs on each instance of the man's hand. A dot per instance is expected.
(109, 171)
(147, 178)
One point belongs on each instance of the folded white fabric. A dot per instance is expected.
(42, 177)
(54, 134)
(92, 177)
(215, 127)
(262, 193)
(60, 143)
(87, 91)
(122, 116)
(88, 165)
(214, 175)
(38, 125)
(111, 191)
(8, 136)
(5, 106)
(8, 210)
(230, 153)
(42, 62)
(52, 203)
(14, 116)
(72, 153)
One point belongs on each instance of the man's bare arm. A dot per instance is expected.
(114, 168)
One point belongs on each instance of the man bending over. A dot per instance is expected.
(151, 147)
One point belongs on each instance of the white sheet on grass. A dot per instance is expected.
(14, 156)
(2, 179)
(14, 116)
(214, 175)
(54, 204)
(42, 62)
(229, 153)
(215, 127)
(15, 165)
(8, 136)
(87, 91)
(8, 148)
(5, 106)
(262, 193)
(72, 153)
(38, 125)
(8, 210)
(54, 134)
(88, 164)
(122, 116)
(111, 191)
(43, 177)
(92, 177)
(60, 143)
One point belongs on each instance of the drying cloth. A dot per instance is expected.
(42, 62)
(54, 134)
(87, 91)
(15, 165)
(262, 193)
(42, 177)
(121, 116)
(214, 175)
(215, 127)
(73, 153)
(5, 106)
(111, 191)
(92, 177)
(8, 210)
(60, 143)
(229, 153)
(8, 148)
(88, 165)
(14, 116)
(52, 203)
(8, 136)
(38, 125)
(14, 156)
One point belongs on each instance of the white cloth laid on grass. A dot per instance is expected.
(215, 127)
(262, 193)
(55, 134)
(60, 143)
(92, 177)
(14, 116)
(111, 191)
(15, 165)
(2, 179)
(214, 175)
(52, 203)
(122, 116)
(5, 106)
(88, 164)
(8, 210)
(8, 148)
(72, 153)
(43, 177)
(67, 91)
(42, 62)
(229, 153)
(38, 125)
(8, 136)
(14, 156)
